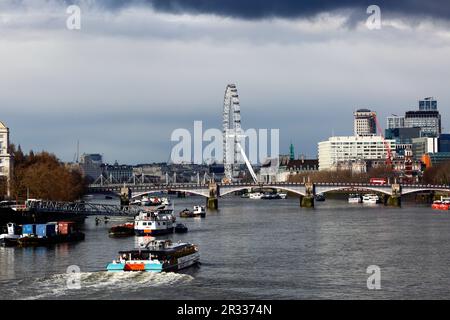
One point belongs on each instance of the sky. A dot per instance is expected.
(137, 70)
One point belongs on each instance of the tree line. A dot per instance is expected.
(43, 176)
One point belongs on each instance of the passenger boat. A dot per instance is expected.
(443, 204)
(122, 230)
(180, 228)
(154, 223)
(50, 233)
(12, 236)
(157, 256)
(245, 195)
(354, 198)
(256, 195)
(371, 199)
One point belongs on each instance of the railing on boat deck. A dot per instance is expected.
(84, 208)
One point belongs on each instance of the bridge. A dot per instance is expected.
(305, 191)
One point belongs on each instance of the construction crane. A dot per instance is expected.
(386, 144)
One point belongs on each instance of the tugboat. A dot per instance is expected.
(122, 230)
(157, 256)
(154, 223)
(10, 238)
(180, 228)
(50, 233)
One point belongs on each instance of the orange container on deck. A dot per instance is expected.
(134, 267)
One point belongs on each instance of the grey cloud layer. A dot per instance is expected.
(257, 9)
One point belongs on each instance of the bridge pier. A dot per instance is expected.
(212, 201)
(394, 201)
(307, 201)
(125, 196)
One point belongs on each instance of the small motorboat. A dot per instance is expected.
(371, 199)
(181, 228)
(270, 196)
(282, 195)
(256, 195)
(186, 213)
(354, 198)
(122, 230)
(197, 212)
(320, 197)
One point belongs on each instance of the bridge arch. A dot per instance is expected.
(143, 193)
(405, 192)
(353, 189)
(232, 190)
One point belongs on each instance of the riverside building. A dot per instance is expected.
(6, 161)
(346, 149)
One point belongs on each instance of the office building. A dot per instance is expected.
(424, 145)
(428, 104)
(395, 122)
(91, 165)
(444, 143)
(365, 123)
(353, 148)
(428, 121)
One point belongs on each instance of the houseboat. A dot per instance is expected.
(157, 256)
(154, 223)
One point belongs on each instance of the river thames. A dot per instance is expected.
(256, 249)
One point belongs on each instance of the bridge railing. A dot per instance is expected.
(83, 208)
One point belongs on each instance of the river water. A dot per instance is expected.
(256, 249)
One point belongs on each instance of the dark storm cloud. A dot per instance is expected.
(258, 9)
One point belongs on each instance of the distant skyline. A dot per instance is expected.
(137, 70)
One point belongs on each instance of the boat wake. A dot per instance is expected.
(60, 286)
